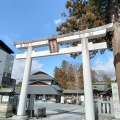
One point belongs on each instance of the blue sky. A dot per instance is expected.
(22, 20)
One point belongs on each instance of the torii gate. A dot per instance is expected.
(85, 47)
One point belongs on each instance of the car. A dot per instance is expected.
(69, 101)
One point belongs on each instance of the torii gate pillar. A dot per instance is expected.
(23, 95)
(88, 92)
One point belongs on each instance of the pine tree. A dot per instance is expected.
(93, 13)
(64, 67)
(56, 70)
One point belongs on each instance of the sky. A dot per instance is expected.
(22, 20)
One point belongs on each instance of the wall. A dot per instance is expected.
(6, 65)
(2, 63)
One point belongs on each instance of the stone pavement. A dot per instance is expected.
(71, 113)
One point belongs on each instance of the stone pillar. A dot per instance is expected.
(0, 99)
(23, 94)
(31, 105)
(99, 107)
(108, 108)
(89, 104)
(103, 108)
(112, 107)
(31, 102)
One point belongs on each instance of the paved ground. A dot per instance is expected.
(71, 115)
(57, 111)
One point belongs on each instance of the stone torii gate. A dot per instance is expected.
(84, 47)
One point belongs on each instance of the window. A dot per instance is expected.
(10, 68)
(5, 66)
(5, 74)
(8, 75)
(11, 61)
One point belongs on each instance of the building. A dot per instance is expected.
(6, 65)
(44, 87)
(99, 87)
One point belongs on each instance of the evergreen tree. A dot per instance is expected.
(64, 67)
(94, 76)
(19, 84)
(93, 13)
(70, 73)
(56, 70)
(1, 86)
(81, 77)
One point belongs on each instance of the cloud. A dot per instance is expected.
(107, 66)
(18, 68)
(57, 21)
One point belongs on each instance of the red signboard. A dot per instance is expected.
(53, 46)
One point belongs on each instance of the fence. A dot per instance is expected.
(104, 109)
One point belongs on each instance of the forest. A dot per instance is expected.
(70, 75)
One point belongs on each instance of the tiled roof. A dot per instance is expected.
(36, 89)
(37, 83)
(40, 73)
(100, 83)
(57, 87)
(73, 91)
(40, 77)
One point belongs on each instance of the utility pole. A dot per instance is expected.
(77, 82)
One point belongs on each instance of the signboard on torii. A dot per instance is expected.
(53, 43)
(53, 46)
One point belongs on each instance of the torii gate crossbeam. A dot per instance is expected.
(85, 47)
